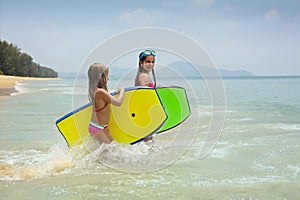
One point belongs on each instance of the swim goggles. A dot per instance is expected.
(147, 53)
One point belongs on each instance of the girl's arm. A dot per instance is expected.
(117, 101)
(103, 96)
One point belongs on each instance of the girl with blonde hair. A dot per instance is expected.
(101, 100)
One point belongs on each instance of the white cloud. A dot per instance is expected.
(229, 8)
(271, 15)
(141, 17)
(55, 35)
(204, 2)
(128, 17)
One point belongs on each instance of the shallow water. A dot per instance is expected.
(255, 157)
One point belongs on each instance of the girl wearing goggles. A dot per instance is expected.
(146, 65)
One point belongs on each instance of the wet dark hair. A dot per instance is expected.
(142, 58)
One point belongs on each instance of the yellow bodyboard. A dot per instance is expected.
(140, 115)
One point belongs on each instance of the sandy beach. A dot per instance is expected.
(7, 83)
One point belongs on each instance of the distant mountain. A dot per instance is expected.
(173, 70)
(187, 70)
(67, 74)
(126, 73)
(235, 73)
(114, 73)
(182, 69)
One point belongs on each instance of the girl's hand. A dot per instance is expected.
(120, 89)
(117, 101)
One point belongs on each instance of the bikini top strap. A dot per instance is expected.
(102, 107)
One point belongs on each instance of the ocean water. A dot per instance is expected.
(256, 156)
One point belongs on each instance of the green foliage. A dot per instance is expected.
(14, 62)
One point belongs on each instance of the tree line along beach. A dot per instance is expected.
(18, 66)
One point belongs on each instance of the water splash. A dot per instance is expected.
(37, 164)
(33, 164)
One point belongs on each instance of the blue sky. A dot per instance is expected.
(258, 36)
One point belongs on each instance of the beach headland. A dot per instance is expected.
(8, 83)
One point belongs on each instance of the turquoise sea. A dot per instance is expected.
(256, 156)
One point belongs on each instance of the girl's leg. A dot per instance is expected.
(101, 137)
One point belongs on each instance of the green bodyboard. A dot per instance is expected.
(176, 104)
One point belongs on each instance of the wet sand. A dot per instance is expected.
(8, 83)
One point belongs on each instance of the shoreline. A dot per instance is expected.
(8, 83)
